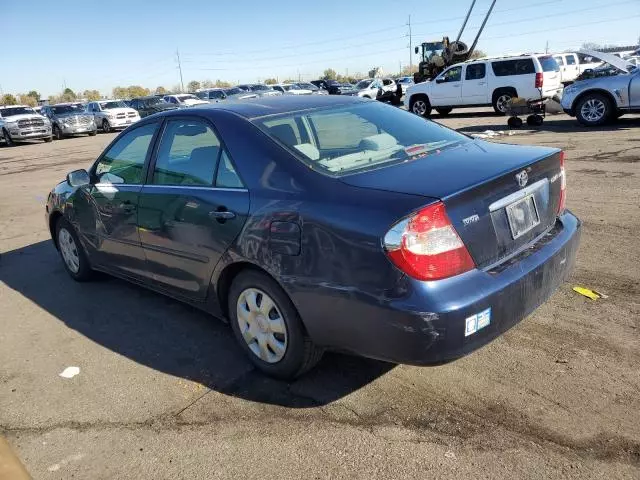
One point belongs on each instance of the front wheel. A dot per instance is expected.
(106, 128)
(57, 133)
(93, 133)
(420, 106)
(48, 139)
(7, 139)
(268, 327)
(594, 109)
(73, 255)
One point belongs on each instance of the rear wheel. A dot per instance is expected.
(73, 255)
(93, 133)
(420, 106)
(268, 327)
(502, 101)
(594, 109)
(444, 110)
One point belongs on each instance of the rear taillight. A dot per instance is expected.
(426, 246)
(539, 80)
(563, 185)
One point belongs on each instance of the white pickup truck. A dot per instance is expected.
(21, 122)
(573, 64)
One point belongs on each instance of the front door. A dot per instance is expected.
(192, 207)
(634, 90)
(446, 90)
(475, 90)
(108, 211)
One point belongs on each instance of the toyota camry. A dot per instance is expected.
(324, 222)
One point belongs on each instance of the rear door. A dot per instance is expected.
(474, 86)
(192, 207)
(108, 211)
(447, 89)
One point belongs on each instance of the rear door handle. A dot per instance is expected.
(222, 215)
(482, 83)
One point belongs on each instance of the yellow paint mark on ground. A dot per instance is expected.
(10, 466)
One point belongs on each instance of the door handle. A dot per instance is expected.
(482, 83)
(222, 215)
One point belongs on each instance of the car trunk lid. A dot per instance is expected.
(479, 182)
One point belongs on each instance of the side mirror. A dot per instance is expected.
(78, 178)
(416, 50)
(440, 80)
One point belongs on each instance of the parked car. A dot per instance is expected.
(291, 89)
(259, 89)
(383, 89)
(332, 87)
(597, 100)
(20, 122)
(184, 100)
(149, 105)
(69, 119)
(487, 81)
(324, 222)
(405, 82)
(310, 86)
(111, 115)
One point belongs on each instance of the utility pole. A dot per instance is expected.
(180, 69)
(410, 46)
(546, 49)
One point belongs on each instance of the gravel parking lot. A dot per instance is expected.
(163, 391)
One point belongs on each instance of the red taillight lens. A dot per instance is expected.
(539, 80)
(563, 185)
(426, 246)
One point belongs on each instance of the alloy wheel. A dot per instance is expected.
(503, 102)
(262, 325)
(106, 128)
(593, 110)
(419, 107)
(69, 250)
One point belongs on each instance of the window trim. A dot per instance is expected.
(148, 179)
(145, 165)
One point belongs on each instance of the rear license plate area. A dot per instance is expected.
(523, 216)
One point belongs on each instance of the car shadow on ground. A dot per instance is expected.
(561, 124)
(169, 336)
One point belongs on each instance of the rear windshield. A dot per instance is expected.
(357, 138)
(549, 64)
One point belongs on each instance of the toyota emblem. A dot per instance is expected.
(522, 178)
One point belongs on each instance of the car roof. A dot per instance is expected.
(266, 106)
(506, 57)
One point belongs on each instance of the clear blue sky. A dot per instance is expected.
(98, 45)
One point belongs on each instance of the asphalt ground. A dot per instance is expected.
(164, 392)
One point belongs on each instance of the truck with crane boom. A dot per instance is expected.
(437, 55)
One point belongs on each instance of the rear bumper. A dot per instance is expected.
(428, 324)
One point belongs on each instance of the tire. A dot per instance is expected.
(48, 139)
(366, 96)
(93, 133)
(57, 133)
(106, 128)
(420, 106)
(296, 353)
(8, 141)
(514, 122)
(594, 109)
(444, 111)
(66, 237)
(534, 120)
(501, 99)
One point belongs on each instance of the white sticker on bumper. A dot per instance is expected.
(477, 322)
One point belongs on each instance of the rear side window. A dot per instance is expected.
(548, 64)
(522, 66)
(187, 155)
(475, 71)
(570, 60)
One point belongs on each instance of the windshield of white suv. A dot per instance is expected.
(115, 104)
(9, 112)
(361, 85)
(61, 109)
(357, 138)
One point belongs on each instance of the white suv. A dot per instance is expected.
(487, 81)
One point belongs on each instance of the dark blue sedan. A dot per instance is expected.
(324, 222)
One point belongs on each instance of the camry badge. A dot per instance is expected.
(522, 178)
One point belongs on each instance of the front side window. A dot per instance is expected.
(124, 161)
(475, 71)
(454, 74)
(358, 138)
(188, 154)
(570, 60)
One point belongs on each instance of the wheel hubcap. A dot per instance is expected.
(262, 325)
(503, 103)
(593, 110)
(69, 250)
(419, 107)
